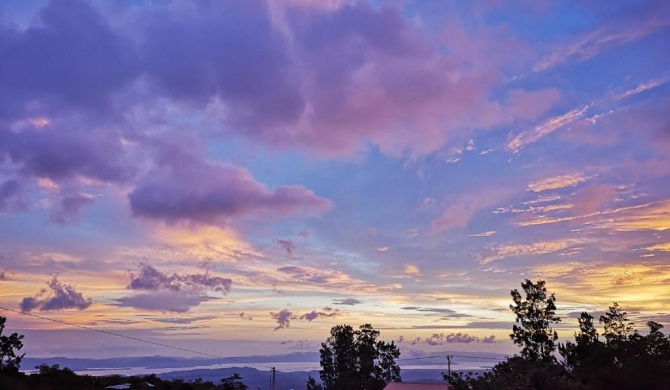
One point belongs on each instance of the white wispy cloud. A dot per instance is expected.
(593, 43)
(557, 182)
(540, 131)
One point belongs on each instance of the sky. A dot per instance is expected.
(237, 177)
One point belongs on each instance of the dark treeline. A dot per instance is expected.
(56, 378)
(617, 357)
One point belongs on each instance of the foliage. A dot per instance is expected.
(535, 313)
(9, 346)
(618, 328)
(355, 359)
(624, 360)
(312, 385)
(233, 382)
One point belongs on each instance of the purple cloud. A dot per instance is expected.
(69, 207)
(11, 196)
(347, 301)
(59, 296)
(287, 245)
(72, 57)
(164, 300)
(149, 278)
(459, 338)
(326, 312)
(172, 293)
(186, 188)
(283, 319)
(246, 317)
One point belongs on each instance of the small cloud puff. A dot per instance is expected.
(347, 301)
(284, 317)
(58, 296)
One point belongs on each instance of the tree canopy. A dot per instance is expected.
(625, 359)
(535, 313)
(10, 360)
(355, 359)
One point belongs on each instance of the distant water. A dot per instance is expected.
(280, 366)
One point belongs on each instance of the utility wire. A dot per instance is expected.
(134, 338)
(205, 353)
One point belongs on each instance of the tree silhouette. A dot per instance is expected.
(617, 326)
(535, 314)
(312, 385)
(9, 346)
(352, 360)
(233, 382)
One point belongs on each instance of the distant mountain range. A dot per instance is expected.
(255, 370)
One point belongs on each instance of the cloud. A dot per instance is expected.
(547, 127)
(651, 84)
(411, 269)
(455, 216)
(536, 248)
(593, 43)
(326, 312)
(190, 189)
(483, 234)
(246, 317)
(11, 196)
(172, 293)
(436, 311)
(557, 182)
(451, 338)
(530, 105)
(149, 278)
(69, 207)
(183, 320)
(59, 296)
(489, 340)
(594, 198)
(321, 277)
(283, 319)
(334, 79)
(287, 245)
(164, 300)
(3, 275)
(347, 301)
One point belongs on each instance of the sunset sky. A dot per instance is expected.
(236, 177)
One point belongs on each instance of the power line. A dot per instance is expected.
(135, 338)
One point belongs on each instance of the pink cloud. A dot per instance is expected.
(187, 188)
(594, 198)
(530, 105)
(454, 216)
